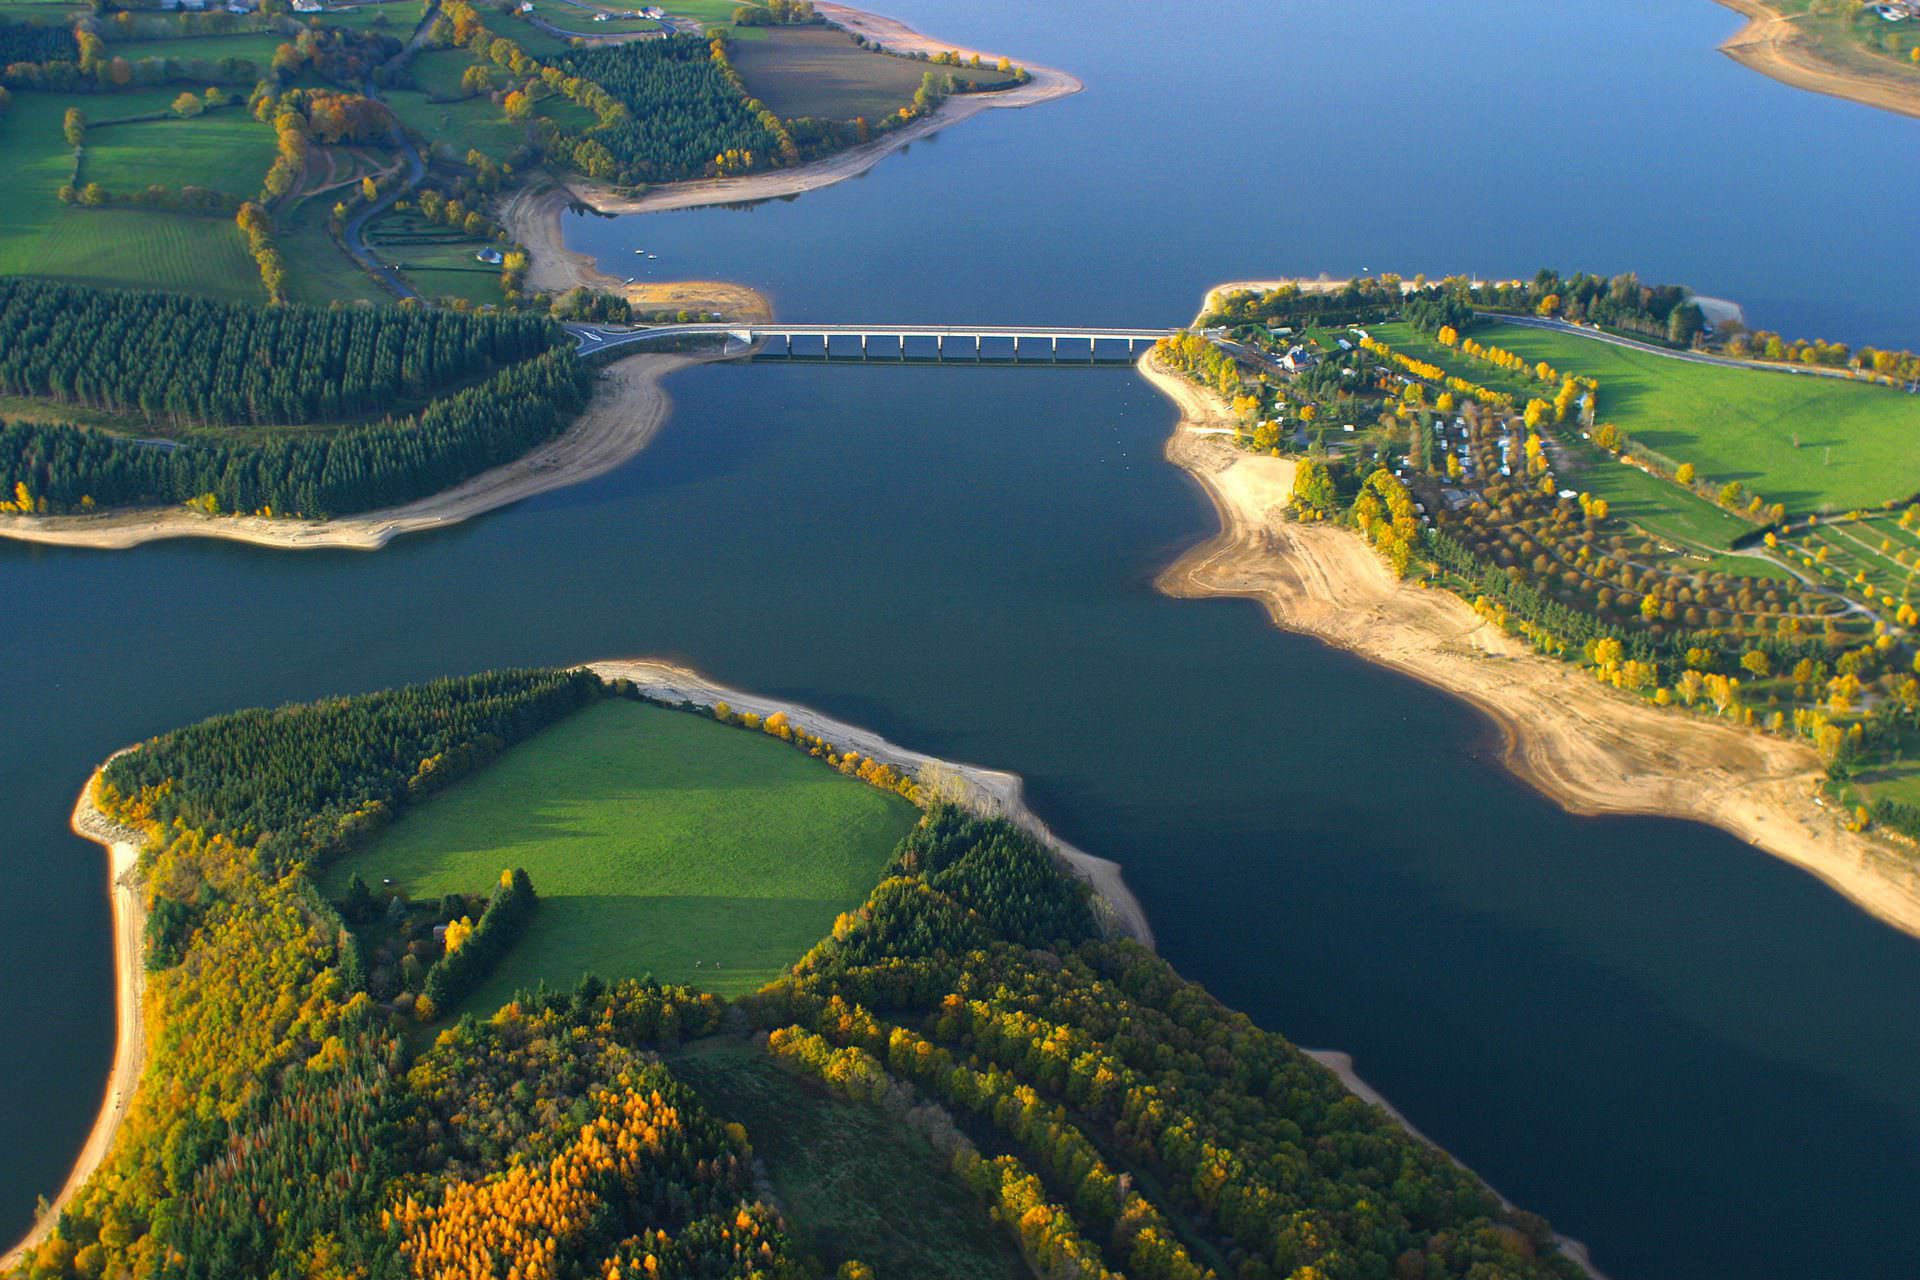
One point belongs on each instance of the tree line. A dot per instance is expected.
(473, 949)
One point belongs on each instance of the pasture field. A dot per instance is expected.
(255, 46)
(843, 1172)
(123, 247)
(318, 270)
(136, 249)
(396, 18)
(711, 13)
(455, 128)
(225, 150)
(818, 71)
(1814, 444)
(659, 842)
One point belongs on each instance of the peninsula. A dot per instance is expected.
(978, 979)
(1864, 52)
(1389, 536)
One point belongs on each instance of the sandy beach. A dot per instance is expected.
(129, 1041)
(626, 412)
(986, 790)
(1046, 84)
(1774, 45)
(1590, 748)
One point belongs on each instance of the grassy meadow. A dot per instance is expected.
(1815, 444)
(126, 247)
(225, 150)
(658, 842)
(842, 1173)
(817, 71)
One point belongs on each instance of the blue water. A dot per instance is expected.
(1693, 1057)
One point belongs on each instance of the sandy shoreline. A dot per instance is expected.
(1046, 84)
(129, 1041)
(1589, 748)
(987, 790)
(627, 411)
(1772, 44)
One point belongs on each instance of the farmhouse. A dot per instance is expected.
(1298, 359)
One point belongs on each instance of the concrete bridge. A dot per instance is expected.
(938, 342)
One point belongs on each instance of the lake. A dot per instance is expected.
(1684, 1052)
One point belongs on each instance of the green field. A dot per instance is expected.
(439, 260)
(1659, 506)
(580, 21)
(396, 18)
(254, 47)
(817, 71)
(658, 842)
(225, 150)
(40, 236)
(843, 1173)
(318, 270)
(1854, 441)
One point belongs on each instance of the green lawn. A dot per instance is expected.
(1855, 441)
(843, 1172)
(817, 71)
(1659, 506)
(658, 841)
(226, 150)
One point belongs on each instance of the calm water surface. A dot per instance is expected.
(1684, 1052)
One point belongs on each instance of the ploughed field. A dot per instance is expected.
(820, 71)
(658, 842)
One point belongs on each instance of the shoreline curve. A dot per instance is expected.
(1772, 44)
(992, 791)
(627, 411)
(129, 1042)
(1589, 749)
(1045, 85)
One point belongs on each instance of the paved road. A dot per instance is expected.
(354, 234)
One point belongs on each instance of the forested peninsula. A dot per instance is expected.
(1052, 1096)
(1456, 478)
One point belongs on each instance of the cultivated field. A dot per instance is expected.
(842, 1172)
(658, 842)
(817, 71)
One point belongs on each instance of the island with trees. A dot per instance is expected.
(1719, 526)
(928, 1046)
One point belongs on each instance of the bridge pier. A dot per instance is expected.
(863, 346)
(939, 346)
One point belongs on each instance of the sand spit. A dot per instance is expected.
(987, 790)
(626, 412)
(1589, 748)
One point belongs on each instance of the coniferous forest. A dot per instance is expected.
(177, 361)
(1110, 1118)
(682, 109)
